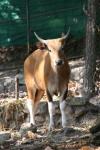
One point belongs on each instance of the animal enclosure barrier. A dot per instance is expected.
(19, 19)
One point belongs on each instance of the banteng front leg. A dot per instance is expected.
(63, 113)
(63, 108)
(51, 110)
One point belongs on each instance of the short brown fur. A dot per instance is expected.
(42, 75)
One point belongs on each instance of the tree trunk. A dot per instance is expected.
(90, 59)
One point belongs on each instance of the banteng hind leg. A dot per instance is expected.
(39, 94)
(32, 103)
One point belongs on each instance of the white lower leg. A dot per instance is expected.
(51, 109)
(31, 110)
(63, 113)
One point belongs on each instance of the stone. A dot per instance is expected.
(4, 135)
(76, 101)
(42, 109)
(67, 131)
(95, 139)
(15, 135)
(31, 135)
(96, 128)
(1, 88)
(48, 148)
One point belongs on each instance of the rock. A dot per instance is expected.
(4, 135)
(67, 131)
(48, 148)
(95, 100)
(95, 139)
(25, 127)
(42, 109)
(31, 135)
(15, 135)
(76, 101)
(26, 140)
(40, 119)
(95, 128)
(77, 73)
(1, 88)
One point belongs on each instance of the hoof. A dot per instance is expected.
(51, 128)
(67, 131)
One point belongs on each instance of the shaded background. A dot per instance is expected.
(49, 18)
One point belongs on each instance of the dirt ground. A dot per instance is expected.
(76, 136)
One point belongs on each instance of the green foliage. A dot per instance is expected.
(49, 18)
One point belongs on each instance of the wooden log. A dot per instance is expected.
(16, 87)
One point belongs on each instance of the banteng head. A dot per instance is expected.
(54, 47)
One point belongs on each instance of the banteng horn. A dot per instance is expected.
(66, 35)
(40, 39)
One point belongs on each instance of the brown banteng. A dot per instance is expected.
(47, 70)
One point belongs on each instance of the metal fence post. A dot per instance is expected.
(28, 26)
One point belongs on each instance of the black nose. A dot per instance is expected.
(59, 62)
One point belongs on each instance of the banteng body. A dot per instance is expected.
(47, 70)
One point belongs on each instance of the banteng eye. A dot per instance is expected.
(47, 48)
(62, 47)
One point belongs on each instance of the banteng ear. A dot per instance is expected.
(40, 45)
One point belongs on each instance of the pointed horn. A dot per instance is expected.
(40, 39)
(66, 35)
